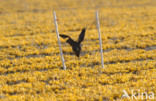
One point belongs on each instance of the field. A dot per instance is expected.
(30, 63)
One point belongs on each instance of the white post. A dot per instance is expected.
(100, 40)
(58, 38)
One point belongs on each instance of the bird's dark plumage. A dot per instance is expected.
(76, 45)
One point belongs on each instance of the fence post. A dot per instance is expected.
(58, 38)
(100, 40)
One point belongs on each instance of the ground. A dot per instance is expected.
(30, 64)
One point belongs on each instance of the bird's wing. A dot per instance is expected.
(69, 41)
(81, 36)
(64, 36)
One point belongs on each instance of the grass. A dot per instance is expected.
(30, 64)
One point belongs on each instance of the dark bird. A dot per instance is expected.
(76, 45)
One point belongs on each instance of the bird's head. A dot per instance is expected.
(77, 51)
(78, 54)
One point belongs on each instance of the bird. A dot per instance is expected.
(76, 45)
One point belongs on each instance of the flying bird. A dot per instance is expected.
(76, 45)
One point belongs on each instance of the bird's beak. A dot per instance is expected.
(78, 57)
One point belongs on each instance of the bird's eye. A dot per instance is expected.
(77, 48)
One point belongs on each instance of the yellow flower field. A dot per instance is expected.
(30, 63)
